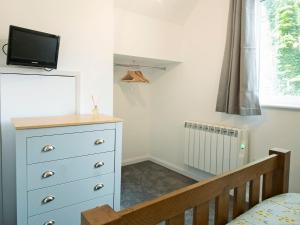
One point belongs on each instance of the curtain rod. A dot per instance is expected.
(143, 66)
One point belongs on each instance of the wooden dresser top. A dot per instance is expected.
(61, 121)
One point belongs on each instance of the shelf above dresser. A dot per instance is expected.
(130, 61)
(61, 121)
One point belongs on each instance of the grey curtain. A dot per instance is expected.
(239, 86)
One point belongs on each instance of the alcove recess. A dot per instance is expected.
(137, 63)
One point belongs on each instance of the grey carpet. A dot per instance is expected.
(147, 180)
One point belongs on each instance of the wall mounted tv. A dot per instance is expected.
(32, 48)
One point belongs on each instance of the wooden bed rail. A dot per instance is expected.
(273, 171)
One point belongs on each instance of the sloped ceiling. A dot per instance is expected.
(176, 11)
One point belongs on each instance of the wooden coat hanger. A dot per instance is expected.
(135, 76)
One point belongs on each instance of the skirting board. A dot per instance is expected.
(188, 172)
(135, 160)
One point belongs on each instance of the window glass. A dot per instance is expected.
(280, 52)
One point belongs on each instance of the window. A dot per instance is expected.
(279, 52)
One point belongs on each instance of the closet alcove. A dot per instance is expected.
(133, 101)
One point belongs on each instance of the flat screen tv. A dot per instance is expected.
(32, 48)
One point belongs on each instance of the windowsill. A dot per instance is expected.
(280, 102)
(279, 106)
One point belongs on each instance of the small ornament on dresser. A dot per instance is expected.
(95, 110)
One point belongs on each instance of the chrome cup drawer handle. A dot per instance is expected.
(48, 148)
(99, 164)
(48, 174)
(48, 199)
(99, 142)
(50, 222)
(98, 187)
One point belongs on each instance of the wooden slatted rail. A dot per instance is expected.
(171, 207)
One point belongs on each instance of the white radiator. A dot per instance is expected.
(215, 149)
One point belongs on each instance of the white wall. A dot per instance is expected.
(132, 103)
(139, 35)
(174, 11)
(195, 85)
(86, 30)
(189, 92)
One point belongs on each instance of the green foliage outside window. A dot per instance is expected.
(284, 17)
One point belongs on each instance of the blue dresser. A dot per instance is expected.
(66, 165)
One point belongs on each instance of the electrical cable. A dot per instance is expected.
(3, 46)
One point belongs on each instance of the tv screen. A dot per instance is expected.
(32, 48)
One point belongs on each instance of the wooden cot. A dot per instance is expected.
(272, 171)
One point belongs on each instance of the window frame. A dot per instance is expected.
(270, 101)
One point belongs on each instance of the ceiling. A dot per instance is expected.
(176, 11)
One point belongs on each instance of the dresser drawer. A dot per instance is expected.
(46, 199)
(62, 171)
(69, 215)
(61, 146)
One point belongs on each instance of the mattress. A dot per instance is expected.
(279, 210)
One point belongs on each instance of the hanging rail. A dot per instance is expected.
(141, 66)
